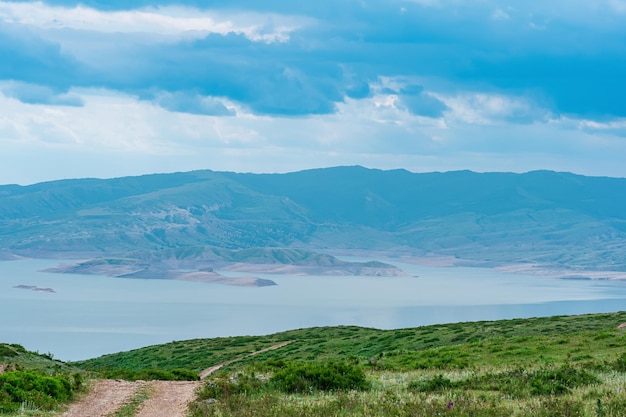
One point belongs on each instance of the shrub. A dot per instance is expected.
(224, 388)
(9, 351)
(520, 383)
(151, 375)
(306, 377)
(559, 381)
(44, 392)
(437, 383)
(620, 363)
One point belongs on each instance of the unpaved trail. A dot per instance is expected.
(214, 368)
(169, 399)
(106, 397)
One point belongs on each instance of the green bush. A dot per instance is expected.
(306, 377)
(44, 392)
(520, 383)
(559, 381)
(151, 375)
(223, 387)
(437, 383)
(9, 351)
(620, 363)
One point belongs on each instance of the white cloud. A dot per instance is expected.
(115, 134)
(617, 5)
(499, 14)
(169, 21)
(426, 3)
(487, 109)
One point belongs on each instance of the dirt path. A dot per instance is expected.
(106, 397)
(214, 368)
(169, 399)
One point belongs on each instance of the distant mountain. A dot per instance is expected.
(546, 217)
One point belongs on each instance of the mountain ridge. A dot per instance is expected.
(553, 218)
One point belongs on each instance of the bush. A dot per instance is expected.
(559, 381)
(306, 377)
(437, 383)
(44, 392)
(520, 383)
(9, 351)
(151, 375)
(620, 363)
(224, 388)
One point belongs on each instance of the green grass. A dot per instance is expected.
(16, 357)
(130, 407)
(585, 338)
(553, 366)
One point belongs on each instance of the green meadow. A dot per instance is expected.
(553, 366)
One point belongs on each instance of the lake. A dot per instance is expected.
(91, 315)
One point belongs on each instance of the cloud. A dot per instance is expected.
(287, 58)
(38, 94)
(193, 104)
(27, 57)
(499, 14)
(420, 103)
(487, 109)
(617, 5)
(117, 135)
(173, 21)
(283, 85)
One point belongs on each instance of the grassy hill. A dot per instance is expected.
(552, 218)
(553, 366)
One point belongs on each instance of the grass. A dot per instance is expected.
(131, 407)
(553, 366)
(584, 338)
(556, 391)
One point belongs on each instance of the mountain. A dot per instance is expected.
(545, 217)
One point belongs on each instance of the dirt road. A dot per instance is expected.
(106, 397)
(214, 368)
(168, 398)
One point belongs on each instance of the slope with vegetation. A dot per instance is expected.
(32, 382)
(556, 219)
(555, 366)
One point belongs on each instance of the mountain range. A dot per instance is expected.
(541, 217)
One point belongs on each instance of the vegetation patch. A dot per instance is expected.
(130, 407)
(151, 375)
(38, 391)
(10, 350)
(521, 383)
(308, 377)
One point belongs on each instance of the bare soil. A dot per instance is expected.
(106, 397)
(168, 399)
(215, 368)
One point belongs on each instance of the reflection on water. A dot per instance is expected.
(90, 315)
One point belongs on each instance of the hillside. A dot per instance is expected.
(551, 366)
(555, 219)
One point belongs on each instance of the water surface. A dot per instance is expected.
(91, 315)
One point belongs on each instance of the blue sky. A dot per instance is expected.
(106, 88)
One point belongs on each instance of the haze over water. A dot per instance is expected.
(90, 315)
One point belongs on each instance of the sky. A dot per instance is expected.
(109, 88)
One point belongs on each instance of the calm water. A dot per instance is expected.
(90, 315)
